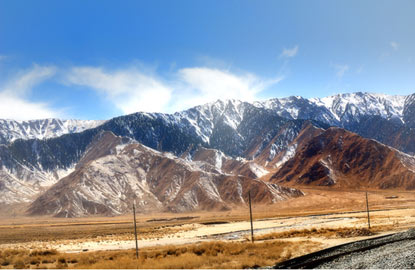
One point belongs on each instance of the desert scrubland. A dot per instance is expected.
(321, 219)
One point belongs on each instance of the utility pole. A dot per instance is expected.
(250, 215)
(367, 209)
(135, 232)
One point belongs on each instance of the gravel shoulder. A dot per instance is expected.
(395, 251)
(398, 255)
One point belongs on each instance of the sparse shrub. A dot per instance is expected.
(73, 261)
(199, 250)
(60, 265)
(86, 259)
(4, 263)
(183, 250)
(172, 251)
(286, 256)
(354, 232)
(322, 232)
(45, 261)
(19, 264)
(46, 252)
(34, 261)
(10, 252)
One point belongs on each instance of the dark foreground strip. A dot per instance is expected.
(315, 259)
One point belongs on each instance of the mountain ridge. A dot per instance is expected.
(266, 136)
(11, 130)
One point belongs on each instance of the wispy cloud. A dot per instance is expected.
(394, 45)
(131, 90)
(24, 81)
(288, 53)
(14, 102)
(340, 70)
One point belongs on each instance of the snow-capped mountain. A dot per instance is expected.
(349, 107)
(409, 111)
(11, 130)
(232, 126)
(338, 110)
(265, 135)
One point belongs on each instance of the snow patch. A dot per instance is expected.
(258, 170)
(289, 154)
(328, 164)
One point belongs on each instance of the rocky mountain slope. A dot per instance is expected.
(344, 159)
(115, 172)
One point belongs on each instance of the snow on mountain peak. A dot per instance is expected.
(346, 106)
(334, 110)
(337, 109)
(11, 130)
(204, 117)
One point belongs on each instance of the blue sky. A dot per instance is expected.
(100, 59)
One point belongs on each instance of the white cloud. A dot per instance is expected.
(394, 45)
(14, 102)
(129, 90)
(17, 108)
(288, 53)
(205, 84)
(23, 82)
(340, 70)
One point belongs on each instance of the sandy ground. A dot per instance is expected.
(398, 219)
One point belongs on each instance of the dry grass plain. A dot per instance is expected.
(215, 254)
(284, 230)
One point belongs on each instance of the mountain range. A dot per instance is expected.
(210, 156)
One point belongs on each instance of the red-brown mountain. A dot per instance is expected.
(343, 159)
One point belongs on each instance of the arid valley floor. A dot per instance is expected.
(321, 219)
